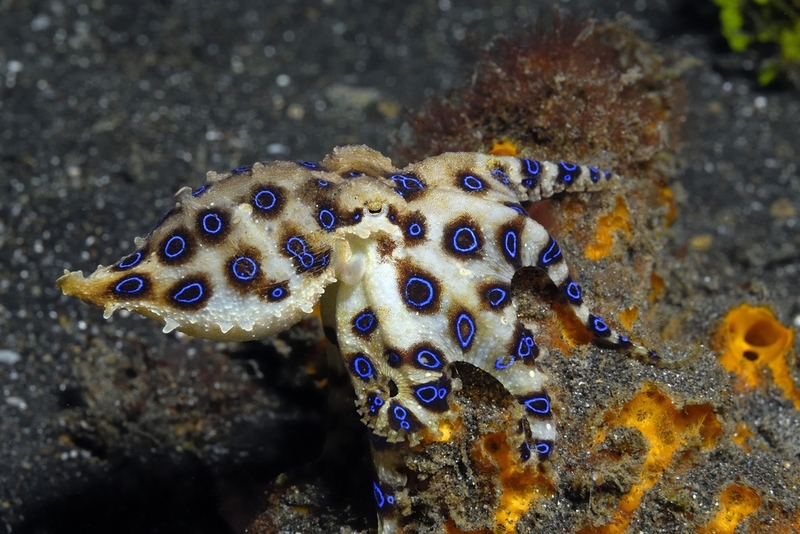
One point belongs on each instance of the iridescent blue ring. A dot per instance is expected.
(472, 247)
(326, 219)
(137, 280)
(465, 341)
(362, 367)
(419, 280)
(510, 243)
(244, 268)
(171, 242)
(472, 183)
(212, 223)
(130, 261)
(190, 299)
(428, 359)
(265, 200)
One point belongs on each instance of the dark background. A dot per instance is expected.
(107, 108)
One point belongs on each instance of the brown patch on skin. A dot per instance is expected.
(420, 290)
(487, 296)
(408, 185)
(213, 225)
(332, 219)
(277, 291)
(386, 246)
(130, 261)
(471, 183)
(407, 224)
(426, 361)
(297, 247)
(516, 225)
(254, 285)
(261, 200)
(120, 289)
(464, 233)
(463, 326)
(184, 256)
(364, 323)
(192, 297)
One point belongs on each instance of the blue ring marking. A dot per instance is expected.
(623, 339)
(539, 405)
(497, 296)
(599, 324)
(524, 452)
(415, 229)
(519, 210)
(172, 240)
(240, 170)
(400, 414)
(380, 499)
(566, 171)
(499, 364)
(137, 280)
(472, 247)
(461, 320)
(244, 268)
(362, 367)
(359, 322)
(543, 448)
(326, 219)
(354, 174)
(308, 164)
(265, 199)
(526, 346)
(501, 176)
(419, 280)
(510, 243)
(408, 183)
(190, 299)
(305, 258)
(594, 174)
(393, 359)
(375, 402)
(428, 359)
(130, 261)
(573, 291)
(552, 253)
(532, 167)
(277, 293)
(215, 220)
(200, 190)
(427, 394)
(472, 183)
(323, 183)
(607, 174)
(356, 217)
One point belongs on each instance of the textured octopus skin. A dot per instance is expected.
(412, 266)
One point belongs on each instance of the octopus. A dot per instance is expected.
(412, 269)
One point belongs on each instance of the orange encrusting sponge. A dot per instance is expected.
(521, 486)
(753, 340)
(668, 430)
(736, 502)
(607, 226)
